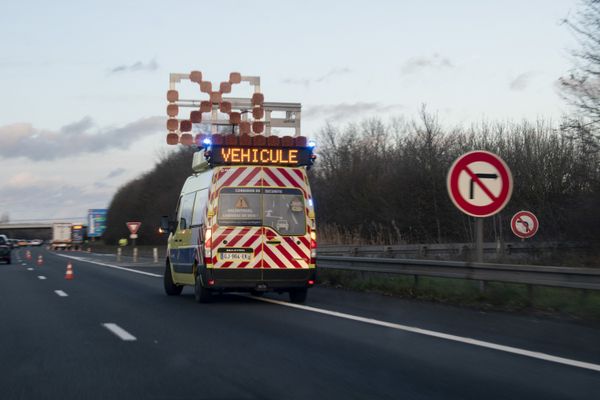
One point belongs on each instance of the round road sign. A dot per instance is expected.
(524, 224)
(479, 183)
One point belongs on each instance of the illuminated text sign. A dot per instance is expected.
(231, 155)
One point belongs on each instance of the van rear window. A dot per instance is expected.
(281, 209)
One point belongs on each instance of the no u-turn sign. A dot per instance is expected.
(479, 183)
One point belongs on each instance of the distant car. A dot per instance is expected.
(13, 243)
(22, 242)
(36, 242)
(4, 249)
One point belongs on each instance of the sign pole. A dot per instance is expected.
(479, 239)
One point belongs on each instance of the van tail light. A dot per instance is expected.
(311, 282)
(313, 247)
(207, 246)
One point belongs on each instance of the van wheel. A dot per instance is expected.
(170, 287)
(201, 294)
(298, 295)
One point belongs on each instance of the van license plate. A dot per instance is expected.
(235, 254)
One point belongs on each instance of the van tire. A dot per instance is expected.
(201, 294)
(171, 288)
(298, 295)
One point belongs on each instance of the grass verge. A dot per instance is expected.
(575, 303)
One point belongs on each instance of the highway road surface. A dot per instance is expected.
(111, 333)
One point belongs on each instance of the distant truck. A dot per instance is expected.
(78, 233)
(61, 236)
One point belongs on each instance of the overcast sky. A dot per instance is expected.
(83, 83)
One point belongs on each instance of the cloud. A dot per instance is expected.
(320, 79)
(115, 173)
(24, 140)
(151, 65)
(347, 110)
(522, 81)
(417, 64)
(49, 199)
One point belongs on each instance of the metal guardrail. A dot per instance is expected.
(448, 249)
(576, 278)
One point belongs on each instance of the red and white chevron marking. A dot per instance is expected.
(287, 254)
(248, 237)
(238, 176)
(284, 177)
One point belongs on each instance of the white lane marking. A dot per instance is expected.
(120, 332)
(42, 277)
(29, 269)
(110, 265)
(60, 293)
(440, 335)
(24, 264)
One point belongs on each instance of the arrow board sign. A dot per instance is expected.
(524, 224)
(479, 183)
(133, 227)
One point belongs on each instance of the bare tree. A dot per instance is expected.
(581, 88)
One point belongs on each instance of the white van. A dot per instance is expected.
(245, 222)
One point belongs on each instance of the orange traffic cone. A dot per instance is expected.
(40, 260)
(69, 273)
(28, 255)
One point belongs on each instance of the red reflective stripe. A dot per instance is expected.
(274, 177)
(305, 241)
(250, 176)
(288, 257)
(233, 177)
(287, 176)
(243, 264)
(299, 173)
(252, 239)
(273, 258)
(238, 237)
(227, 264)
(301, 252)
(222, 237)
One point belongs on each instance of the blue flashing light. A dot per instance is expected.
(207, 142)
(312, 144)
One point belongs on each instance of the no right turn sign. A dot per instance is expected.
(479, 183)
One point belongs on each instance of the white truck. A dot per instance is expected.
(61, 236)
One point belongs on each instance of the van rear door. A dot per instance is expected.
(237, 240)
(287, 240)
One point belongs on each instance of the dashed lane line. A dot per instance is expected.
(61, 293)
(406, 328)
(110, 265)
(41, 277)
(120, 332)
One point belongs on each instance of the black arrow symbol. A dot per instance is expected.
(482, 176)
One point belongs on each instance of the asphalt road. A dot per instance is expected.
(112, 333)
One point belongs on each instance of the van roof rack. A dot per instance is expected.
(246, 116)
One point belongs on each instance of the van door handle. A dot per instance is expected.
(273, 241)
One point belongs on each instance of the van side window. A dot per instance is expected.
(199, 204)
(185, 210)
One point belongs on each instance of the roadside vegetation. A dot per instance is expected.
(570, 303)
